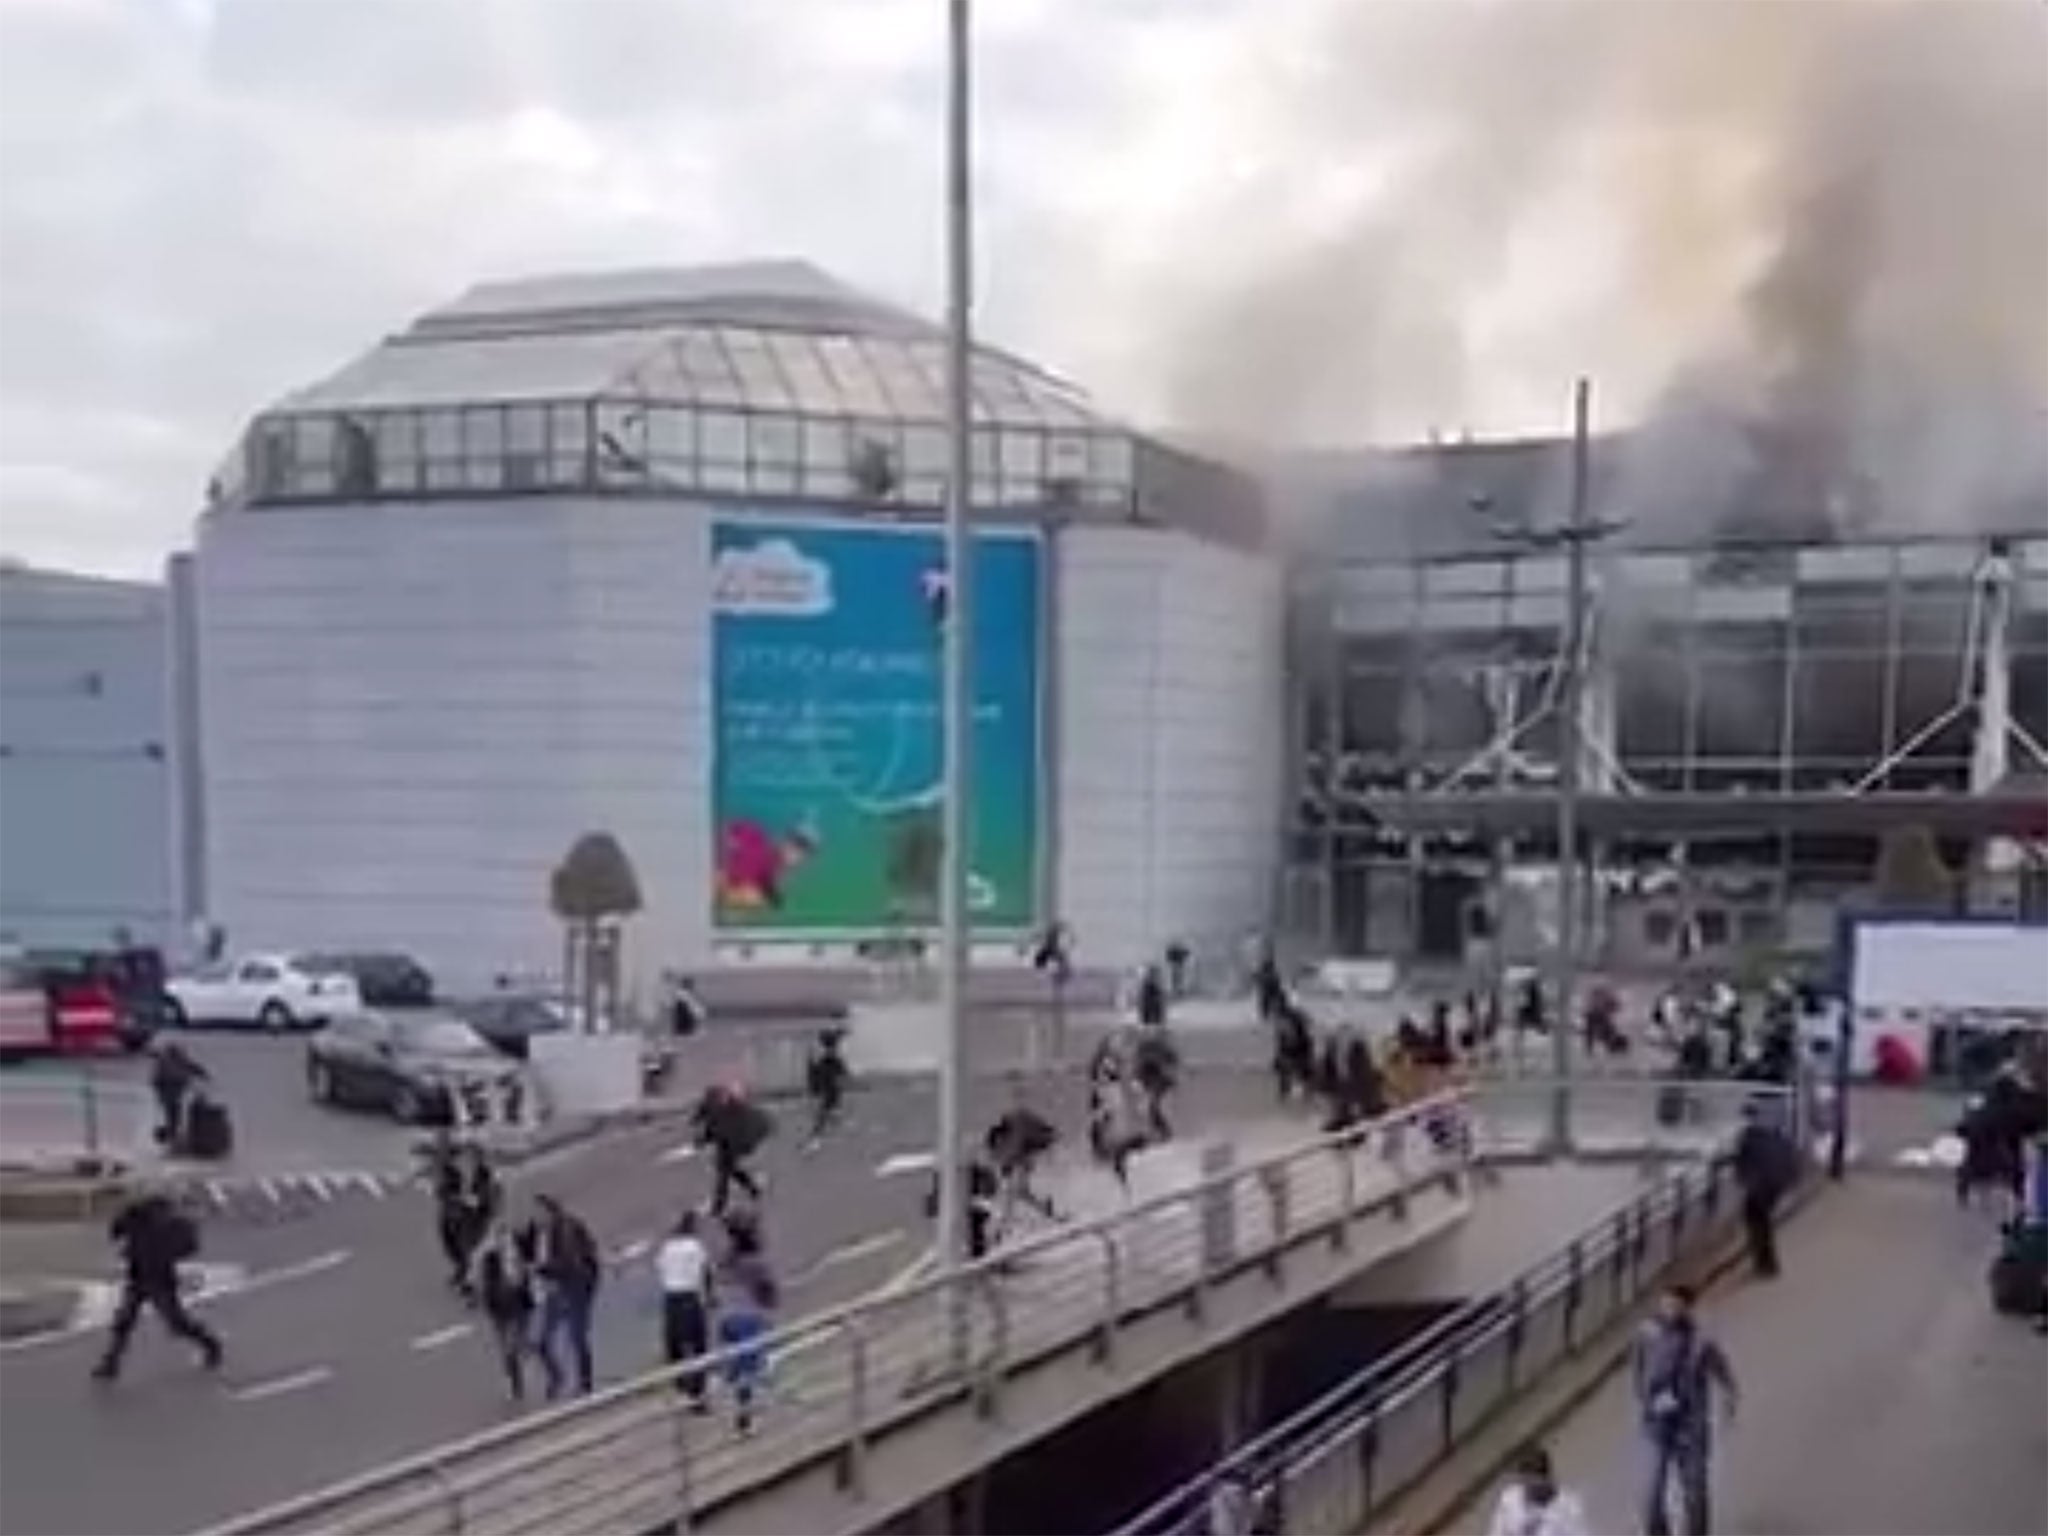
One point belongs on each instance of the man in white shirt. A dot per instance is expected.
(1533, 1504)
(683, 1265)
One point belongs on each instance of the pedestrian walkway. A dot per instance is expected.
(1880, 1393)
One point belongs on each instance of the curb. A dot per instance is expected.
(1438, 1506)
(57, 1200)
(29, 1312)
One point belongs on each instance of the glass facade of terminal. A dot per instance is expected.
(1732, 674)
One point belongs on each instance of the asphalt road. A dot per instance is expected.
(345, 1349)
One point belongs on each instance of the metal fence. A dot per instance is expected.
(55, 1119)
(1347, 1456)
(634, 1458)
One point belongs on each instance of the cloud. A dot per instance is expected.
(772, 580)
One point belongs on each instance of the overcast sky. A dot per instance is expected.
(1183, 204)
(208, 202)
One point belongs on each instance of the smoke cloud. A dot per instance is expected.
(1803, 242)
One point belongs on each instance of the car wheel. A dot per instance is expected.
(175, 1016)
(406, 1106)
(320, 1082)
(275, 1017)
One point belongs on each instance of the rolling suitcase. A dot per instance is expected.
(209, 1134)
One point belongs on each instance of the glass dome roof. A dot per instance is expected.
(761, 379)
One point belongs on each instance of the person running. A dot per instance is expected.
(1015, 1144)
(504, 1290)
(154, 1237)
(566, 1260)
(825, 1076)
(683, 1266)
(1533, 1505)
(1676, 1371)
(1115, 1119)
(751, 1295)
(733, 1127)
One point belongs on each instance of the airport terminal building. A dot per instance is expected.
(658, 555)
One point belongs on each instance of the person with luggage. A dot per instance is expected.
(682, 1264)
(733, 1127)
(504, 1281)
(155, 1236)
(173, 1073)
(569, 1269)
(825, 1078)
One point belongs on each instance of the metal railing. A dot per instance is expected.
(55, 1119)
(1348, 1455)
(635, 1458)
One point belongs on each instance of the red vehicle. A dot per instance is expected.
(69, 1004)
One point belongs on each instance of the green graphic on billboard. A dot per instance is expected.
(826, 780)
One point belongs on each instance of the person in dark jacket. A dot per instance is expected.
(825, 1078)
(1152, 998)
(567, 1263)
(154, 1237)
(1294, 1050)
(173, 1073)
(733, 1127)
(1269, 987)
(1678, 1371)
(1766, 1167)
(504, 1290)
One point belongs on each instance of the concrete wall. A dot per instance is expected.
(85, 804)
(410, 712)
(1170, 741)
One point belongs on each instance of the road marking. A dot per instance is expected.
(632, 1250)
(441, 1336)
(371, 1184)
(218, 1193)
(245, 1284)
(319, 1183)
(679, 1154)
(298, 1381)
(906, 1162)
(926, 1263)
(847, 1253)
(269, 1188)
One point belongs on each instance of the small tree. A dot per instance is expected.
(592, 891)
(1910, 874)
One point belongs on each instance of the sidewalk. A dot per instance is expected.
(1881, 1394)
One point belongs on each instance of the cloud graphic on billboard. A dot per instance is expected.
(772, 579)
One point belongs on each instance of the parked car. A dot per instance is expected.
(78, 1001)
(273, 992)
(419, 1068)
(384, 979)
(510, 1020)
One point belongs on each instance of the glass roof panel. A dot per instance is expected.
(706, 372)
(762, 385)
(854, 376)
(814, 389)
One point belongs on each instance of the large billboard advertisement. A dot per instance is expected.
(827, 768)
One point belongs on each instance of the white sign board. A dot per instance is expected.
(1944, 968)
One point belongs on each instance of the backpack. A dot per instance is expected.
(181, 1237)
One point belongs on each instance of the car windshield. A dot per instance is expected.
(318, 965)
(439, 1037)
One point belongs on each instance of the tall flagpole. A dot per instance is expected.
(955, 918)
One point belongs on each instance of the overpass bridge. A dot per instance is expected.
(881, 1409)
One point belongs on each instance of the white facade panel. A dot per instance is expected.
(1170, 741)
(411, 711)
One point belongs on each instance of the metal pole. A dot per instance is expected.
(1571, 749)
(957, 712)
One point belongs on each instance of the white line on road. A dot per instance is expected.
(441, 1336)
(679, 1154)
(298, 1381)
(847, 1253)
(217, 1192)
(371, 1183)
(632, 1250)
(926, 1263)
(269, 1188)
(319, 1183)
(906, 1162)
(318, 1264)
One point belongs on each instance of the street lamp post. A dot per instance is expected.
(957, 711)
(1576, 536)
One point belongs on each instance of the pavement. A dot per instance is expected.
(1880, 1392)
